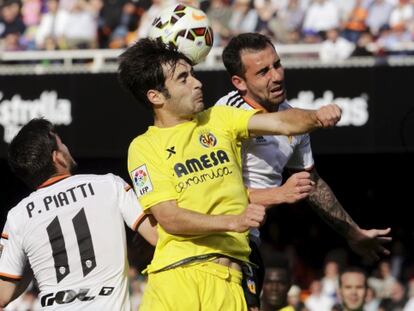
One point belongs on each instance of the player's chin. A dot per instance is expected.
(198, 105)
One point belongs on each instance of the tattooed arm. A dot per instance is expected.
(367, 243)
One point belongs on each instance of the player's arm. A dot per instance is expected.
(10, 288)
(148, 229)
(293, 121)
(177, 220)
(296, 188)
(7, 289)
(367, 243)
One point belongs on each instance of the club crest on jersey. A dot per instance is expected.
(207, 140)
(141, 180)
(251, 285)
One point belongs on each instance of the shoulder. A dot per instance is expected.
(232, 99)
(142, 142)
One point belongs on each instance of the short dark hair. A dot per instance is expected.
(245, 41)
(30, 152)
(140, 67)
(279, 262)
(353, 270)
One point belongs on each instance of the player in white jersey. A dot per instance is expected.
(70, 230)
(257, 74)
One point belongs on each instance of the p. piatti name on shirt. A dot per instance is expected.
(206, 164)
(60, 199)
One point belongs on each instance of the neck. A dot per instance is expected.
(169, 120)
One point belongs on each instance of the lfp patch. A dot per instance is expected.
(141, 180)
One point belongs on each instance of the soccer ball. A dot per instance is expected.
(185, 27)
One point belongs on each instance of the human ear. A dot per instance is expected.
(156, 97)
(239, 83)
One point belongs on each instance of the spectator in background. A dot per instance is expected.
(397, 300)
(354, 24)
(81, 28)
(286, 27)
(294, 298)
(383, 281)
(391, 41)
(317, 301)
(125, 33)
(244, 17)
(330, 279)
(321, 16)
(371, 301)
(219, 14)
(276, 285)
(352, 289)
(51, 27)
(363, 45)
(11, 25)
(401, 15)
(335, 48)
(378, 15)
(267, 11)
(108, 19)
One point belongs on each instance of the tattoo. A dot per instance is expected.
(325, 203)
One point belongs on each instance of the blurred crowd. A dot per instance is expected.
(344, 28)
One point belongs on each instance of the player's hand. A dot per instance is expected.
(329, 115)
(369, 243)
(297, 187)
(252, 217)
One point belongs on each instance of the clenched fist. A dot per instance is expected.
(252, 217)
(329, 115)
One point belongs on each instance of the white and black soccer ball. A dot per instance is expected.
(185, 27)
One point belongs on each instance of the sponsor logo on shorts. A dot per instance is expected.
(207, 140)
(141, 180)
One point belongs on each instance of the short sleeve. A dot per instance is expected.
(302, 157)
(128, 204)
(149, 176)
(235, 120)
(12, 258)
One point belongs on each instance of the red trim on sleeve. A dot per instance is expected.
(127, 188)
(138, 221)
(10, 276)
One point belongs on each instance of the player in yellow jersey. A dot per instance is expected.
(186, 172)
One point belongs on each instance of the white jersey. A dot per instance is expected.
(265, 157)
(73, 236)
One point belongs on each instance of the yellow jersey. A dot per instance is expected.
(196, 163)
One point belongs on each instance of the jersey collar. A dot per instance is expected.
(53, 180)
(252, 103)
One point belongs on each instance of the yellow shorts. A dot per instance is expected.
(203, 286)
